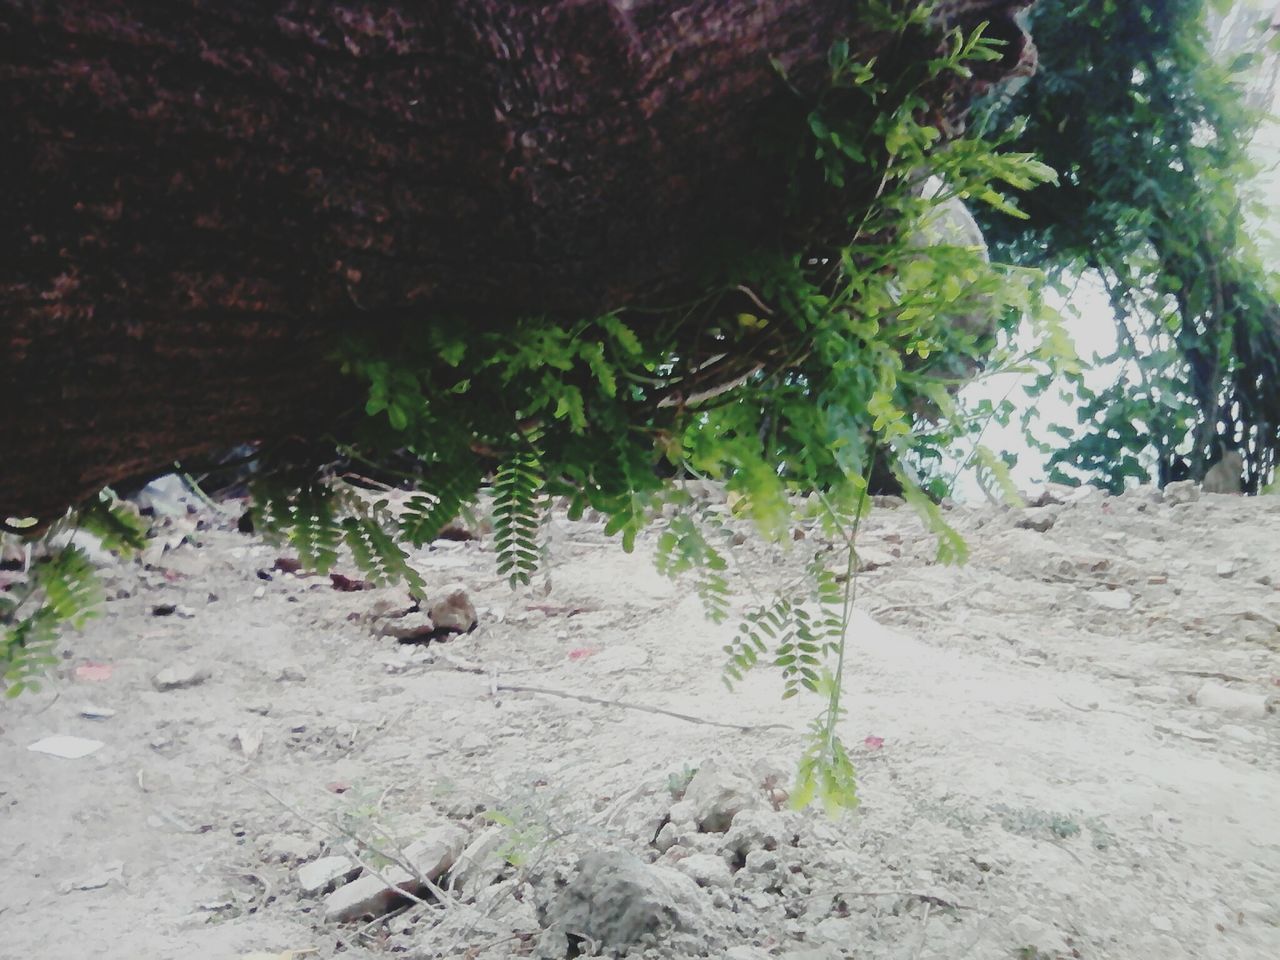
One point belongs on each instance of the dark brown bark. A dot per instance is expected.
(198, 194)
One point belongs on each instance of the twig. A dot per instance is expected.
(741, 727)
(400, 862)
(924, 931)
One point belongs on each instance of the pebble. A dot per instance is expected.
(1181, 491)
(316, 876)
(455, 612)
(92, 712)
(706, 870)
(1162, 923)
(1112, 599)
(716, 795)
(290, 673)
(179, 676)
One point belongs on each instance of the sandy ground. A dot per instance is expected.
(1044, 772)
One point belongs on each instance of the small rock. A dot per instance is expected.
(480, 863)
(249, 741)
(287, 848)
(715, 796)
(755, 830)
(92, 712)
(1181, 491)
(410, 627)
(761, 861)
(1225, 569)
(259, 593)
(455, 612)
(1157, 578)
(1038, 519)
(1112, 599)
(315, 877)
(180, 675)
(618, 901)
(667, 837)
(369, 897)
(1242, 703)
(706, 870)
(291, 673)
(1161, 923)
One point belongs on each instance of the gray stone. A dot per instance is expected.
(667, 837)
(179, 676)
(706, 870)
(454, 612)
(1039, 519)
(480, 863)
(290, 673)
(369, 896)
(715, 796)
(1181, 491)
(1112, 599)
(618, 901)
(412, 626)
(762, 861)
(316, 876)
(758, 829)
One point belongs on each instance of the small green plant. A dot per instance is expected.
(59, 588)
(678, 783)
(523, 837)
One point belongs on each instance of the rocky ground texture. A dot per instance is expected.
(1067, 748)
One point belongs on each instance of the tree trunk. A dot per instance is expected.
(198, 195)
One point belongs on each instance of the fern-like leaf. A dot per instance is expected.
(517, 513)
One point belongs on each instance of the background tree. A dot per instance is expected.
(1150, 133)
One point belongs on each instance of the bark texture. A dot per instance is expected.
(199, 193)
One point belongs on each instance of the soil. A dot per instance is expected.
(1063, 747)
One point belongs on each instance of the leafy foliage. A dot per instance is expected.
(517, 512)
(826, 366)
(1151, 132)
(812, 372)
(317, 519)
(58, 590)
